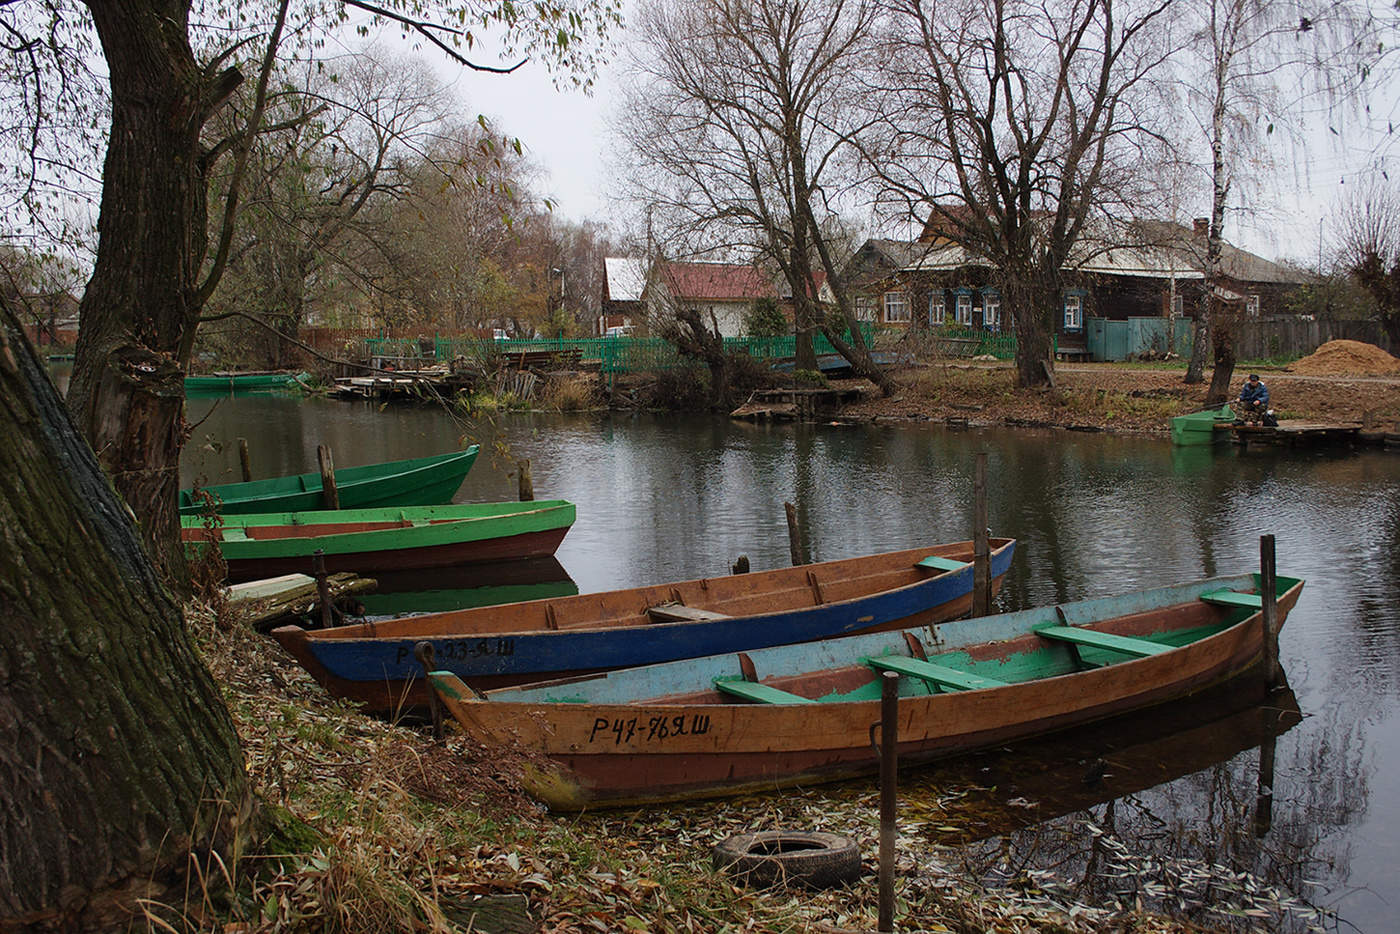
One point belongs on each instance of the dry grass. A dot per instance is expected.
(370, 826)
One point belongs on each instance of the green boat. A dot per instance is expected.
(422, 481)
(364, 541)
(231, 382)
(1199, 427)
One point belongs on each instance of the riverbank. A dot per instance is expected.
(371, 825)
(1135, 398)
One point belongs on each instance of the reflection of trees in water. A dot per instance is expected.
(1189, 848)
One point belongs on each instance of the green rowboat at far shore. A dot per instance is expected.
(245, 382)
(421, 481)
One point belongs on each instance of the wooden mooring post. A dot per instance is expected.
(796, 546)
(527, 482)
(244, 461)
(1268, 594)
(323, 590)
(889, 804)
(330, 496)
(981, 547)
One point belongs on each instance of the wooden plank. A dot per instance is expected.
(1128, 645)
(1252, 601)
(762, 693)
(940, 675)
(941, 564)
(680, 613)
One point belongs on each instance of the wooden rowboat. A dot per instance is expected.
(369, 540)
(374, 663)
(225, 383)
(421, 481)
(1199, 427)
(760, 720)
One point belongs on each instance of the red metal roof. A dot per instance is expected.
(717, 282)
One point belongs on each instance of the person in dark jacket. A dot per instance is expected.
(1254, 399)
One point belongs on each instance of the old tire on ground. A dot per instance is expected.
(787, 857)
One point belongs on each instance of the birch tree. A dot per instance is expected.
(1264, 62)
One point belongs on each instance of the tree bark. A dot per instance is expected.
(138, 315)
(119, 760)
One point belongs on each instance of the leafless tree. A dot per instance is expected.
(1370, 225)
(1013, 129)
(738, 116)
(346, 137)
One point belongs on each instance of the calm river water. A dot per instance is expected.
(666, 498)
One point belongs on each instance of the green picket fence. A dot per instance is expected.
(639, 354)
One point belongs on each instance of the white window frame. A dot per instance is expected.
(937, 308)
(865, 308)
(991, 310)
(1178, 305)
(1251, 306)
(897, 308)
(965, 309)
(1074, 312)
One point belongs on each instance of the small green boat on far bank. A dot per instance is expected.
(235, 382)
(1199, 427)
(420, 481)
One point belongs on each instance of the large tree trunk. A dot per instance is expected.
(1031, 306)
(138, 315)
(119, 760)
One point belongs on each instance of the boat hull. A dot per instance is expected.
(583, 753)
(369, 540)
(422, 481)
(374, 664)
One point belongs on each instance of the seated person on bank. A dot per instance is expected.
(1254, 399)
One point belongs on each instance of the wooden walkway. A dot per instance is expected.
(794, 403)
(1297, 433)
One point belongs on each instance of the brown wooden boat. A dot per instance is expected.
(376, 664)
(752, 721)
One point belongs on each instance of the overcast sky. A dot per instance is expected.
(566, 134)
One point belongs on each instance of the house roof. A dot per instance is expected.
(717, 282)
(624, 279)
(1164, 250)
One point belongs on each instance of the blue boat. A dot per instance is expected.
(375, 663)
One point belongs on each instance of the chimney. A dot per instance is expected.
(1202, 226)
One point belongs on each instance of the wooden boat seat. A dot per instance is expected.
(680, 613)
(936, 563)
(1252, 601)
(1127, 645)
(940, 675)
(231, 534)
(762, 693)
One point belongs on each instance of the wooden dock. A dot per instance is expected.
(1297, 433)
(795, 403)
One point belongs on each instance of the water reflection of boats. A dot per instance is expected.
(1012, 788)
(436, 589)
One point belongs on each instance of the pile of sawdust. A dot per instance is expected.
(1347, 358)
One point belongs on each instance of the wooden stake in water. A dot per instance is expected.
(244, 461)
(323, 588)
(527, 482)
(330, 496)
(796, 546)
(889, 765)
(981, 548)
(1268, 593)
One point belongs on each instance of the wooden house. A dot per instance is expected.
(1155, 271)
